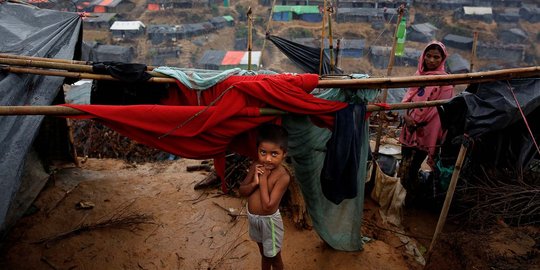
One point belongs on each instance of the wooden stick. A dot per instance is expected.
(322, 38)
(449, 195)
(473, 53)
(59, 65)
(55, 60)
(382, 118)
(267, 32)
(68, 111)
(368, 83)
(250, 36)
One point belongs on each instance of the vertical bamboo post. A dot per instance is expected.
(385, 90)
(473, 53)
(449, 195)
(268, 27)
(250, 37)
(330, 40)
(322, 38)
(72, 142)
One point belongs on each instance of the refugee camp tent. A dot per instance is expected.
(26, 140)
(239, 59)
(458, 42)
(530, 13)
(289, 13)
(456, 64)
(506, 3)
(42, 4)
(99, 20)
(211, 59)
(127, 29)
(474, 13)
(96, 52)
(154, 5)
(508, 15)
(359, 15)
(512, 35)
(424, 32)
(379, 57)
(222, 21)
(111, 6)
(161, 33)
(443, 4)
(508, 52)
(350, 48)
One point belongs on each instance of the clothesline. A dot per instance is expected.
(84, 71)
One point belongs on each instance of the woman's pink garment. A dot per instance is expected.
(428, 134)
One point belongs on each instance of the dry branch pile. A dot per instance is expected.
(491, 195)
(92, 139)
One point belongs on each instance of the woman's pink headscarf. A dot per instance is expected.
(428, 133)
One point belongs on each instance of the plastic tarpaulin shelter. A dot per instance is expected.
(305, 57)
(305, 13)
(489, 111)
(25, 30)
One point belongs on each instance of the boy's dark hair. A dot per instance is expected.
(274, 134)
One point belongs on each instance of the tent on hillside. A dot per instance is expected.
(456, 64)
(289, 13)
(111, 6)
(344, 15)
(458, 42)
(512, 35)
(240, 59)
(99, 20)
(508, 52)
(379, 57)
(211, 59)
(161, 33)
(508, 15)
(474, 13)
(96, 52)
(154, 5)
(127, 29)
(443, 4)
(222, 21)
(530, 13)
(424, 32)
(26, 140)
(349, 48)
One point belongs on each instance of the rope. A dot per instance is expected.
(524, 118)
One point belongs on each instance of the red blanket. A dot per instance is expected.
(185, 125)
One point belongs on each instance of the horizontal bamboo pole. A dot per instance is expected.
(76, 75)
(55, 65)
(367, 83)
(53, 60)
(67, 111)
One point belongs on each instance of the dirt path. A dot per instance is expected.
(189, 230)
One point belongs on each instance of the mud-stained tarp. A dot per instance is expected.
(27, 30)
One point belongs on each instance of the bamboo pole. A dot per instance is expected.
(382, 118)
(59, 65)
(322, 38)
(68, 111)
(55, 60)
(330, 40)
(473, 53)
(367, 83)
(449, 195)
(250, 36)
(268, 27)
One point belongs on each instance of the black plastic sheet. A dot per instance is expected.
(27, 30)
(489, 114)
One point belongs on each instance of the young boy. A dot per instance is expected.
(264, 185)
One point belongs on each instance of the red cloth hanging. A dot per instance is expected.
(192, 129)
